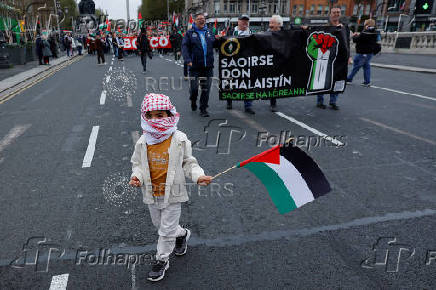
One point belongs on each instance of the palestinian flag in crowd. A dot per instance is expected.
(140, 20)
(214, 30)
(290, 176)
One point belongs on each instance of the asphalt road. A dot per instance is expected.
(375, 229)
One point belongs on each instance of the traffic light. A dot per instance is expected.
(423, 6)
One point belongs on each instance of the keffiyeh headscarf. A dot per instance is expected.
(158, 130)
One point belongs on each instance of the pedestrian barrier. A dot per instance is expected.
(412, 42)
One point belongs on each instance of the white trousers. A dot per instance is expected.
(166, 220)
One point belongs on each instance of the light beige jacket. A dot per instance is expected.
(181, 163)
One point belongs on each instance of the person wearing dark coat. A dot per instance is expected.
(366, 47)
(38, 45)
(53, 46)
(197, 49)
(46, 52)
(99, 47)
(144, 48)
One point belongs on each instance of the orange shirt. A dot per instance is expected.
(158, 158)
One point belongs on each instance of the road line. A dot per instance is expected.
(110, 68)
(399, 131)
(247, 120)
(59, 282)
(87, 159)
(103, 97)
(13, 134)
(404, 93)
(108, 78)
(313, 130)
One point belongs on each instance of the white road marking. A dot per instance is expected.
(249, 121)
(13, 134)
(313, 130)
(399, 131)
(59, 282)
(129, 101)
(87, 159)
(108, 78)
(404, 93)
(110, 68)
(103, 98)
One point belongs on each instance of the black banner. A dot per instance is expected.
(283, 64)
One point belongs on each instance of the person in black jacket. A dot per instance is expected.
(39, 45)
(197, 50)
(143, 48)
(366, 43)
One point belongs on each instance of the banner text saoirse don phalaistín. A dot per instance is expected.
(283, 64)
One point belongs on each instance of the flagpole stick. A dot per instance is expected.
(225, 171)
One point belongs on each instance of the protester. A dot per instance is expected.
(176, 43)
(242, 30)
(53, 45)
(197, 49)
(120, 45)
(115, 45)
(109, 43)
(334, 17)
(275, 24)
(144, 48)
(46, 52)
(366, 47)
(38, 48)
(164, 196)
(73, 45)
(99, 47)
(79, 45)
(68, 44)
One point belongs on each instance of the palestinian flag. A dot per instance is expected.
(140, 20)
(290, 176)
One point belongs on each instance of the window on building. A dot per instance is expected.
(254, 7)
(312, 9)
(225, 7)
(319, 10)
(343, 9)
(355, 9)
(368, 9)
(301, 10)
(238, 7)
(294, 10)
(217, 7)
(361, 9)
(326, 10)
(232, 7)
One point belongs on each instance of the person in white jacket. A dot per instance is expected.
(161, 160)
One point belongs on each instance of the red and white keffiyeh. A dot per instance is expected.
(158, 130)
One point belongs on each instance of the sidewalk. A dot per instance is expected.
(20, 73)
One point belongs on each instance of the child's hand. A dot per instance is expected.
(134, 181)
(204, 180)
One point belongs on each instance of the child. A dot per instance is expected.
(162, 158)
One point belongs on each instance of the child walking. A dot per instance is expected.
(161, 160)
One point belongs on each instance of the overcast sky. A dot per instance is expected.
(117, 8)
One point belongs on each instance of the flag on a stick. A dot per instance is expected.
(290, 176)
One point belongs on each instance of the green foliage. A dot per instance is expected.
(73, 11)
(157, 10)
